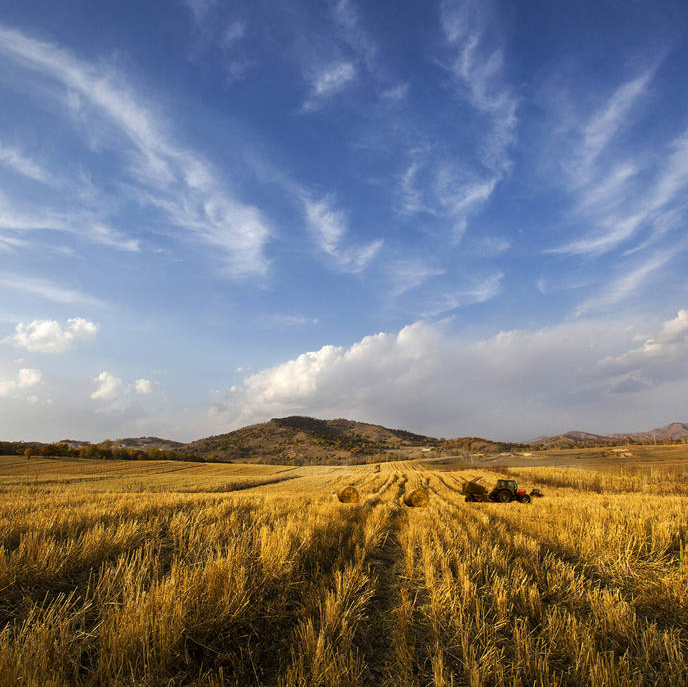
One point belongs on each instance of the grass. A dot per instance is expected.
(191, 574)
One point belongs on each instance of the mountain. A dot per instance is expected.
(674, 431)
(670, 432)
(306, 440)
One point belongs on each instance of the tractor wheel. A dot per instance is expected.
(524, 498)
(503, 496)
(469, 499)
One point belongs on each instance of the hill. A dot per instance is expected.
(306, 440)
(673, 432)
(148, 442)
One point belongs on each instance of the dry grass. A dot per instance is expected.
(186, 574)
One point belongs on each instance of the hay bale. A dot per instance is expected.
(348, 495)
(418, 498)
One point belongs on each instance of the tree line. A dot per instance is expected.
(106, 450)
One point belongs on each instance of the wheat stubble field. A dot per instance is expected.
(169, 573)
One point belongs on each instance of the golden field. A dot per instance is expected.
(171, 573)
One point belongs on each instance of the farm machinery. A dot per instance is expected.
(504, 491)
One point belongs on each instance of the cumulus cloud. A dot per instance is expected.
(109, 387)
(661, 358)
(48, 336)
(25, 378)
(146, 386)
(514, 385)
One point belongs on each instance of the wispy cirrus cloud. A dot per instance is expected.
(477, 68)
(621, 186)
(328, 82)
(627, 282)
(287, 321)
(608, 120)
(15, 159)
(432, 181)
(49, 290)
(186, 188)
(409, 273)
(329, 227)
(621, 209)
(86, 223)
(480, 290)
(366, 50)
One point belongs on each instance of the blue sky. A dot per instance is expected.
(453, 217)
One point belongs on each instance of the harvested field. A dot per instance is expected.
(159, 573)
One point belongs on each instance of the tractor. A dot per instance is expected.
(505, 490)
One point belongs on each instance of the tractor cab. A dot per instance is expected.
(509, 484)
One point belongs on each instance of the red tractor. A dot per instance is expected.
(505, 490)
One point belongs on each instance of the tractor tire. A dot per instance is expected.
(524, 498)
(503, 496)
(469, 499)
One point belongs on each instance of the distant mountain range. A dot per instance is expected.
(306, 440)
(672, 432)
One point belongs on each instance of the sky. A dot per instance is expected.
(456, 218)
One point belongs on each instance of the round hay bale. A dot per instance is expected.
(418, 498)
(348, 495)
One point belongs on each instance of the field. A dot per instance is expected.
(169, 573)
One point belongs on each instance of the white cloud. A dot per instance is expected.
(477, 68)
(405, 275)
(15, 160)
(328, 82)
(146, 386)
(329, 228)
(200, 9)
(619, 213)
(82, 222)
(233, 34)
(433, 181)
(48, 336)
(25, 378)
(281, 321)
(605, 124)
(109, 387)
(479, 291)
(175, 180)
(46, 289)
(514, 385)
(661, 358)
(627, 283)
